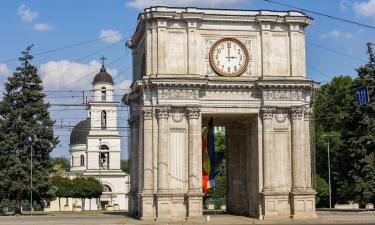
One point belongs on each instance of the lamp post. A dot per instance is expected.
(329, 170)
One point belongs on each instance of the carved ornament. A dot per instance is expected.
(282, 95)
(147, 113)
(162, 112)
(267, 113)
(296, 112)
(193, 112)
(178, 94)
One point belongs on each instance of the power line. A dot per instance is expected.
(335, 51)
(67, 46)
(323, 14)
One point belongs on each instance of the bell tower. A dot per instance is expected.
(103, 141)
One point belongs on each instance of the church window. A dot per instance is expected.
(106, 188)
(104, 97)
(104, 119)
(82, 160)
(104, 160)
(71, 161)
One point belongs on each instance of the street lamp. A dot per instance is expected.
(329, 171)
(31, 175)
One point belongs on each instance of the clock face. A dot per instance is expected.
(229, 57)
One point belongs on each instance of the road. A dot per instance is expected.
(121, 218)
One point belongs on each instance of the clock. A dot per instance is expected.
(229, 57)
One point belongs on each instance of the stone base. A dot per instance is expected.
(195, 208)
(163, 207)
(147, 204)
(275, 205)
(303, 204)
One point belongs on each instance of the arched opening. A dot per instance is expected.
(104, 157)
(103, 94)
(82, 160)
(104, 119)
(71, 161)
(107, 188)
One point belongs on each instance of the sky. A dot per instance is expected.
(80, 32)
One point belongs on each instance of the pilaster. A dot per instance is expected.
(146, 195)
(194, 195)
(163, 194)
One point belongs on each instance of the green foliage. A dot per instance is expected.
(219, 154)
(25, 126)
(360, 140)
(350, 129)
(322, 196)
(125, 165)
(60, 165)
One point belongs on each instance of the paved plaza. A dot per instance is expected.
(122, 218)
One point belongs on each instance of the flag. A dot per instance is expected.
(208, 157)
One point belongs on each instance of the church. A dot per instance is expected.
(95, 149)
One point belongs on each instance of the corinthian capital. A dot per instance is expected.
(307, 113)
(296, 112)
(267, 113)
(162, 112)
(146, 113)
(193, 112)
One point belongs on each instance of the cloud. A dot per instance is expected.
(65, 74)
(123, 86)
(41, 27)
(110, 36)
(365, 8)
(141, 4)
(4, 70)
(26, 14)
(336, 34)
(344, 4)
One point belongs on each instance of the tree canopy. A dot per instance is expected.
(26, 127)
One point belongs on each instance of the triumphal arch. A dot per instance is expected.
(245, 69)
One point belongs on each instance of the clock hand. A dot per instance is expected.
(228, 54)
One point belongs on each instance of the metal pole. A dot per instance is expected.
(329, 176)
(31, 179)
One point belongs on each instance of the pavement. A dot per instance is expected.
(109, 218)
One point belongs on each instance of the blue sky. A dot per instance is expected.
(107, 24)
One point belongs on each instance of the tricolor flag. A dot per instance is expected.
(208, 157)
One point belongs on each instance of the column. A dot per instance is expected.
(163, 194)
(133, 206)
(268, 156)
(163, 131)
(195, 163)
(147, 211)
(298, 154)
(307, 116)
(302, 197)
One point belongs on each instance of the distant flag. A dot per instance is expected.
(208, 157)
(362, 95)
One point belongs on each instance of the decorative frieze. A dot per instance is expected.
(283, 95)
(296, 112)
(162, 112)
(178, 94)
(193, 112)
(267, 113)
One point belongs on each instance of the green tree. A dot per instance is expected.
(25, 126)
(332, 104)
(60, 165)
(86, 188)
(321, 198)
(64, 187)
(360, 140)
(125, 165)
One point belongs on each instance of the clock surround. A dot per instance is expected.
(241, 49)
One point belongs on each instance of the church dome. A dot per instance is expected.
(80, 132)
(103, 77)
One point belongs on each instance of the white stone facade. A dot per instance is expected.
(95, 149)
(265, 111)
